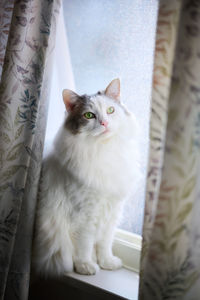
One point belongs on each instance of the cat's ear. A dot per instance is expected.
(69, 98)
(113, 89)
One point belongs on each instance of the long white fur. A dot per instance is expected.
(85, 181)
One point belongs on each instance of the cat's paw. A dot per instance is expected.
(86, 267)
(110, 262)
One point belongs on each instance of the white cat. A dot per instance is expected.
(93, 168)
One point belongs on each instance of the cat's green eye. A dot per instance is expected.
(89, 115)
(110, 110)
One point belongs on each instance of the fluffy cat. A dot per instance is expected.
(85, 180)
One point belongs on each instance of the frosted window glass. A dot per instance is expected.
(110, 39)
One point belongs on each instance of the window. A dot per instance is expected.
(98, 41)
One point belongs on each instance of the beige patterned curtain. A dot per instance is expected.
(170, 264)
(27, 32)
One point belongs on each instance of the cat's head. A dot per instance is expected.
(99, 115)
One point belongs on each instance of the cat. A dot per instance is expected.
(85, 180)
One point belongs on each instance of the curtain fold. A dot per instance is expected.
(6, 11)
(170, 264)
(167, 26)
(24, 86)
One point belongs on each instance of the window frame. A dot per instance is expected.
(127, 246)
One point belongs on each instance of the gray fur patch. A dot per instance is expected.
(75, 119)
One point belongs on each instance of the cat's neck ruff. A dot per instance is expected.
(108, 165)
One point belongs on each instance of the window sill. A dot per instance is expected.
(119, 284)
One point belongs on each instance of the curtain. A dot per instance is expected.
(27, 32)
(170, 263)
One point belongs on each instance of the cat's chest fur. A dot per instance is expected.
(107, 167)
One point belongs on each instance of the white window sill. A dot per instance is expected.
(119, 284)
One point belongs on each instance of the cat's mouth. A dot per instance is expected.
(102, 133)
(105, 131)
(106, 134)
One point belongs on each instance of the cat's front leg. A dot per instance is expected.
(84, 245)
(105, 257)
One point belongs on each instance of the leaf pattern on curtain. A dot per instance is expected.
(171, 267)
(23, 108)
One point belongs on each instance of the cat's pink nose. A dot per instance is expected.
(104, 123)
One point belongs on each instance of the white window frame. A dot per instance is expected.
(127, 246)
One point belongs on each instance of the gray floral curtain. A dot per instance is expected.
(170, 264)
(27, 33)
